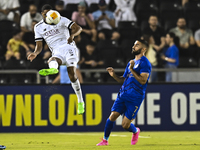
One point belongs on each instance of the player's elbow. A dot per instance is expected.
(80, 29)
(143, 82)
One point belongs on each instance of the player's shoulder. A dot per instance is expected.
(39, 24)
(145, 61)
(63, 19)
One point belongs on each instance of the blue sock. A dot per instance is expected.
(132, 128)
(108, 128)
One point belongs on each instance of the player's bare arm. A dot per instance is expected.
(141, 78)
(38, 49)
(76, 30)
(111, 71)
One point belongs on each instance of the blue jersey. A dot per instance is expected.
(131, 86)
(173, 52)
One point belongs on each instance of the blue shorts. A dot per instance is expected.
(128, 107)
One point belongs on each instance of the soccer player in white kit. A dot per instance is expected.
(63, 48)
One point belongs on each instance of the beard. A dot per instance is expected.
(137, 52)
(33, 15)
(182, 27)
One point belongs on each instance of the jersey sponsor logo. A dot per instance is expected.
(52, 32)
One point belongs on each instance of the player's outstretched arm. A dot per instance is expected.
(38, 49)
(111, 71)
(76, 30)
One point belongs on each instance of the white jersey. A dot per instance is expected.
(54, 35)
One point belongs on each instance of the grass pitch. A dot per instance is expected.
(88, 141)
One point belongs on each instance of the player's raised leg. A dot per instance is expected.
(108, 128)
(77, 88)
(53, 67)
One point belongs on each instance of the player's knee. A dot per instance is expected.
(125, 125)
(72, 74)
(113, 116)
(72, 77)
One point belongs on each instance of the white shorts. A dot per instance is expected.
(67, 54)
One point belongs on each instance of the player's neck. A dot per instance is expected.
(137, 57)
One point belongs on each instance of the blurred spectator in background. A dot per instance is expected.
(90, 57)
(9, 10)
(185, 35)
(28, 17)
(14, 45)
(197, 37)
(71, 2)
(59, 6)
(89, 2)
(124, 11)
(91, 60)
(151, 55)
(171, 55)
(86, 21)
(186, 38)
(105, 22)
(157, 32)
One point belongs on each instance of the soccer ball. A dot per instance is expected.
(52, 17)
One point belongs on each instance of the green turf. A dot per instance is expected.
(88, 141)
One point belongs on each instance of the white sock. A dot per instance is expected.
(77, 89)
(53, 64)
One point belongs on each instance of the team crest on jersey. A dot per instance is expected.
(136, 66)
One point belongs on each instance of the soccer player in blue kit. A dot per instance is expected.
(131, 94)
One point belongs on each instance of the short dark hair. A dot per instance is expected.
(176, 38)
(144, 42)
(46, 7)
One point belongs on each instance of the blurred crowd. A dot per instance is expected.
(110, 28)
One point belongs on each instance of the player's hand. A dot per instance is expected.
(31, 56)
(110, 71)
(132, 63)
(70, 39)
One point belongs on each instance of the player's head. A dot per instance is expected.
(45, 9)
(181, 23)
(153, 20)
(140, 46)
(102, 5)
(33, 10)
(171, 38)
